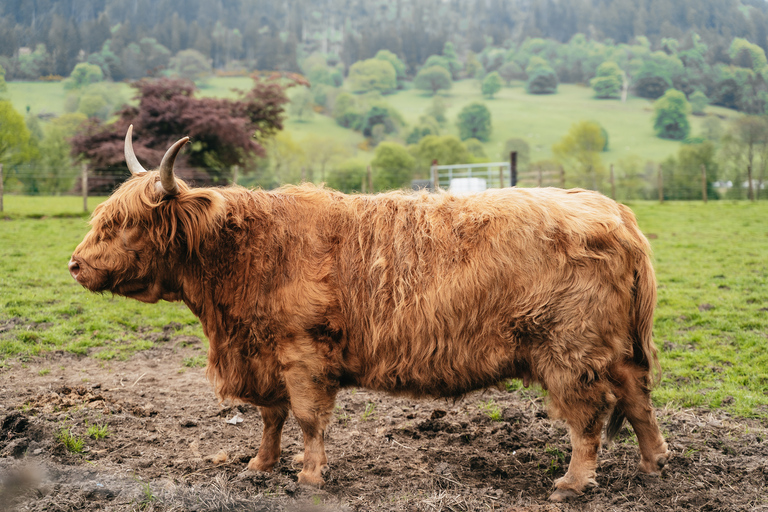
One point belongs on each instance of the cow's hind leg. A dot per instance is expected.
(584, 404)
(269, 450)
(634, 401)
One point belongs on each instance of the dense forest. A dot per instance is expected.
(134, 38)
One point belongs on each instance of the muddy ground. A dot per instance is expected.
(169, 447)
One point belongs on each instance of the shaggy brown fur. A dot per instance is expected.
(302, 291)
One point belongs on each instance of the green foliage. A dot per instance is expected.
(84, 74)
(380, 114)
(652, 81)
(346, 111)
(192, 65)
(670, 120)
(747, 55)
(523, 150)
(446, 149)
(71, 442)
(491, 84)
(473, 68)
(99, 100)
(14, 136)
(372, 75)
(474, 121)
(699, 102)
(302, 104)
(542, 79)
(579, 150)
(454, 66)
(511, 71)
(397, 64)
(427, 126)
(436, 110)
(98, 431)
(57, 171)
(393, 167)
(609, 80)
(433, 78)
(475, 148)
(198, 361)
(370, 410)
(682, 174)
(3, 85)
(491, 409)
(347, 176)
(437, 60)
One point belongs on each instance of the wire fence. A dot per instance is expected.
(28, 181)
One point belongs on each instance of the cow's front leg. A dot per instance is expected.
(312, 397)
(269, 450)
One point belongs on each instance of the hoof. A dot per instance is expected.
(310, 480)
(563, 494)
(655, 465)
(259, 465)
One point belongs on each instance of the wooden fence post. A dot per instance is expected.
(1, 187)
(562, 176)
(749, 181)
(540, 177)
(501, 176)
(84, 182)
(613, 184)
(435, 177)
(235, 172)
(661, 186)
(704, 182)
(513, 169)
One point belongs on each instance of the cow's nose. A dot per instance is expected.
(74, 268)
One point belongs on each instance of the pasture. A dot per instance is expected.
(73, 364)
(541, 120)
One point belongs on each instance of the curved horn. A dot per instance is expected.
(130, 157)
(167, 178)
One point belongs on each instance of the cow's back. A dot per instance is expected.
(439, 294)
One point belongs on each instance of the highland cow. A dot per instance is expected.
(303, 291)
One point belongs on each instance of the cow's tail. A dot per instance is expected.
(644, 355)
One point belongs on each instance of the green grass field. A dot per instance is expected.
(711, 322)
(540, 119)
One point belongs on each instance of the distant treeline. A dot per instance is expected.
(135, 38)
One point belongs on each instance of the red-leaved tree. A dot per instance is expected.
(222, 132)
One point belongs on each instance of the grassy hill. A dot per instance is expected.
(541, 120)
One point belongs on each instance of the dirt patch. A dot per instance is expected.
(172, 446)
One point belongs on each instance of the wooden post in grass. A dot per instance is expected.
(1, 187)
(84, 181)
(435, 177)
(513, 169)
(613, 185)
(235, 172)
(501, 176)
(704, 182)
(562, 176)
(750, 183)
(661, 186)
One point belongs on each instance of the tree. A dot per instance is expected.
(347, 176)
(699, 102)
(433, 78)
(383, 115)
(323, 152)
(192, 65)
(225, 132)
(491, 84)
(393, 166)
(682, 175)
(287, 157)
(609, 80)
(454, 66)
(436, 110)
(652, 81)
(397, 64)
(15, 141)
(302, 103)
(346, 112)
(84, 74)
(372, 75)
(511, 71)
(523, 150)
(670, 119)
(58, 168)
(474, 121)
(542, 79)
(446, 149)
(3, 85)
(579, 150)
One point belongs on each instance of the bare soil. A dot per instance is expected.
(170, 447)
